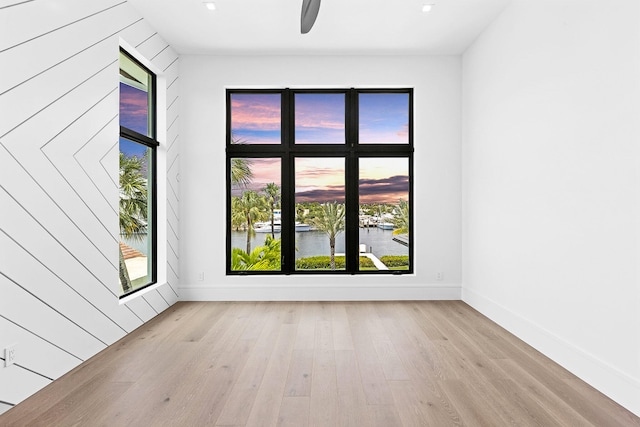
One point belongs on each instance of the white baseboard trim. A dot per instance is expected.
(609, 380)
(318, 293)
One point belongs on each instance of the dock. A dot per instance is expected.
(376, 261)
(379, 264)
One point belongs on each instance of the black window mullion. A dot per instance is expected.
(228, 211)
(351, 217)
(384, 150)
(138, 137)
(411, 205)
(154, 107)
(228, 135)
(287, 244)
(245, 150)
(351, 180)
(154, 215)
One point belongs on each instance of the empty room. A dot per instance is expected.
(431, 213)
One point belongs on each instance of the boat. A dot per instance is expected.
(385, 226)
(267, 229)
(367, 221)
(265, 226)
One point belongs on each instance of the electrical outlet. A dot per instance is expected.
(439, 276)
(9, 355)
(201, 276)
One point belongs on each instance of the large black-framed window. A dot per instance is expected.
(319, 181)
(137, 177)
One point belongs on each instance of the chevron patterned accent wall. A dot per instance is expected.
(58, 185)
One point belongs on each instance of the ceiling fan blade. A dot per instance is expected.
(309, 14)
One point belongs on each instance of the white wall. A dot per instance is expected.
(551, 96)
(436, 83)
(58, 185)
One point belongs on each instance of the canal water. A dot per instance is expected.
(310, 243)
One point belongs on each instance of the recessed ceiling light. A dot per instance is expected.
(210, 5)
(427, 8)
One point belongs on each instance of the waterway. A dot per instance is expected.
(310, 243)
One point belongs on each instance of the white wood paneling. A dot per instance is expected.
(48, 323)
(9, 3)
(45, 17)
(70, 41)
(156, 301)
(169, 293)
(58, 294)
(53, 87)
(59, 184)
(50, 226)
(142, 308)
(165, 57)
(22, 381)
(89, 158)
(30, 348)
(152, 46)
(137, 33)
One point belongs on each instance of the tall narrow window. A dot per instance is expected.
(320, 197)
(384, 212)
(255, 214)
(319, 181)
(137, 204)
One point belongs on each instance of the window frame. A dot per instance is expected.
(152, 143)
(288, 150)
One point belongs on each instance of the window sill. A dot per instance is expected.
(139, 293)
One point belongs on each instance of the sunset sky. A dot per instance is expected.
(384, 118)
(255, 119)
(382, 180)
(319, 118)
(319, 179)
(134, 114)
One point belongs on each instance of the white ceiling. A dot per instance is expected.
(343, 27)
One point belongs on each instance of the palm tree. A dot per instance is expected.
(401, 217)
(330, 220)
(237, 218)
(265, 257)
(241, 174)
(273, 194)
(252, 207)
(301, 213)
(133, 207)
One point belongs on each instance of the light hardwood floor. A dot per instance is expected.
(321, 364)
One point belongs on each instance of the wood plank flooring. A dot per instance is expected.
(436, 363)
